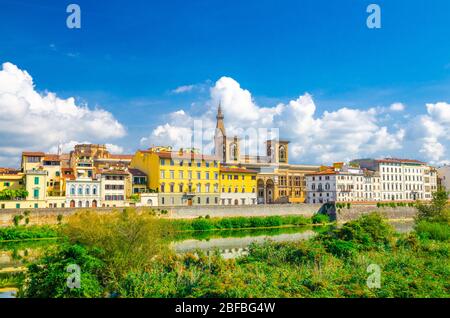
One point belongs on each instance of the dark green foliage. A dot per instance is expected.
(437, 210)
(320, 219)
(208, 223)
(47, 278)
(9, 194)
(433, 230)
(26, 233)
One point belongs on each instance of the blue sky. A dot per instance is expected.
(129, 56)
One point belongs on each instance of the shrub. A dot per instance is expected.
(320, 219)
(47, 277)
(437, 210)
(433, 230)
(201, 224)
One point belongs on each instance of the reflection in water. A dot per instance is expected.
(231, 247)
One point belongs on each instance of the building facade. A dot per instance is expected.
(237, 186)
(180, 177)
(83, 192)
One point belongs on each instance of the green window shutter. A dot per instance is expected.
(36, 180)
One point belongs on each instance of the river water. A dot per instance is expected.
(230, 244)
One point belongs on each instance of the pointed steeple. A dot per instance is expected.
(220, 118)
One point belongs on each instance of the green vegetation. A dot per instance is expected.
(209, 224)
(9, 194)
(137, 263)
(27, 233)
(126, 254)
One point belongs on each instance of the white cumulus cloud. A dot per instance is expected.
(342, 134)
(33, 120)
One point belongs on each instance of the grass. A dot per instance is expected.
(17, 233)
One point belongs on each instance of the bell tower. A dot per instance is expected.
(220, 137)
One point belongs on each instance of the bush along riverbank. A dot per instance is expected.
(126, 255)
(23, 232)
(233, 223)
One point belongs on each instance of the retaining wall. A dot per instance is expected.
(50, 215)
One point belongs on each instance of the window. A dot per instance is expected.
(180, 174)
(199, 164)
(162, 162)
(94, 190)
(199, 188)
(162, 187)
(180, 188)
(207, 175)
(17, 205)
(172, 174)
(171, 187)
(88, 190)
(36, 193)
(36, 180)
(172, 162)
(199, 200)
(199, 175)
(207, 188)
(216, 176)
(162, 174)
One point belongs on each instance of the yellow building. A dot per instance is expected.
(237, 186)
(11, 179)
(180, 177)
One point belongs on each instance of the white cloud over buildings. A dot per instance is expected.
(31, 120)
(342, 134)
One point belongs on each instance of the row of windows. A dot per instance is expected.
(171, 201)
(236, 177)
(189, 163)
(399, 170)
(80, 190)
(114, 186)
(182, 188)
(236, 190)
(189, 176)
(114, 197)
(114, 177)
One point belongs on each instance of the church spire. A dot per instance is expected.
(220, 118)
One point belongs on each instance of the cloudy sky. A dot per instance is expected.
(140, 74)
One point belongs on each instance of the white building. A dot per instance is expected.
(402, 179)
(113, 193)
(83, 192)
(342, 183)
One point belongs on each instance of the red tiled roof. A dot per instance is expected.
(9, 171)
(399, 160)
(136, 172)
(127, 157)
(179, 155)
(237, 170)
(319, 173)
(52, 157)
(33, 154)
(113, 172)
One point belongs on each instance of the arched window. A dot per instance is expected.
(87, 204)
(282, 153)
(88, 190)
(80, 190)
(94, 190)
(327, 186)
(72, 190)
(80, 204)
(234, 151)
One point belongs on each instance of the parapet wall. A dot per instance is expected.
(53, 215)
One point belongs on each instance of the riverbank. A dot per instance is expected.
(55, 216)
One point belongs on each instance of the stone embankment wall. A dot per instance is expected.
(51, 216)
(398, 213)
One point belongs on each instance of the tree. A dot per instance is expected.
(437, 210)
